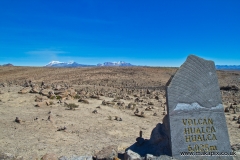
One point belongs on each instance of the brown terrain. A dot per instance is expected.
(78, 111)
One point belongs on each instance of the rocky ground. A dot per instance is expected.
(79, 111)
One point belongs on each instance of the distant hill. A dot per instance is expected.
(228, 67)
(8, 64)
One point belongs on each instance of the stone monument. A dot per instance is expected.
(196, 117)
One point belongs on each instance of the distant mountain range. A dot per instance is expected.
(111, 64)
(75, 64)
(67, 65)
(228, 67)
(120, 63)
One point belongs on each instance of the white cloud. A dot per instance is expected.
(47, 54)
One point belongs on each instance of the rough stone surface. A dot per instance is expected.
(24, 90)
(150, 157)
(236, 147)
(163, 157)
(237, 157)
(130, 155)
(62, 158)
(81, 158)
(108, 152)
(46, 92)
(49, 156)
(195, 110)
(6, 156)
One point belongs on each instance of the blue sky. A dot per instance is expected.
(154, 33)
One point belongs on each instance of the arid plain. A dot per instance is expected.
(78, 111)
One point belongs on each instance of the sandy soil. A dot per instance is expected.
(85, 131)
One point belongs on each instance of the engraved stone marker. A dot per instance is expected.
(196, 117)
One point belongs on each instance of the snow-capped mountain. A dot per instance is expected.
(228, 67)
(120, 63)
(71, 64)
(75, 64)
(54, 63)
